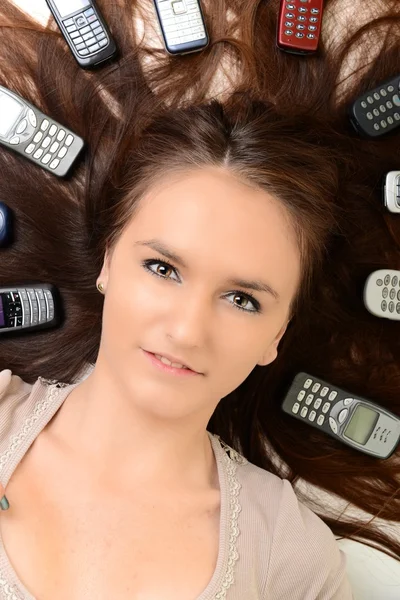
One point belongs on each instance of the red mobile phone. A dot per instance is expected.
(299, 25)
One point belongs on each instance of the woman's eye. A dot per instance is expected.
(247, 298)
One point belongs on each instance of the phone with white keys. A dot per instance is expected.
(29, 308)
(377, 111)
(85, 31)
(382, 294)
(299, 25)
(354, 420)
(35, 136)
(182, 24)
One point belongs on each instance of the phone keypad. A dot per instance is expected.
(50, 144)
(382, 107)
(87, 33)
(390, 293)
(182, 21)
(27, 307)
(313, 402)
(303, 22)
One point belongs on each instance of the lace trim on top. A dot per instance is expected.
(231, 459)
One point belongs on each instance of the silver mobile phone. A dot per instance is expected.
(35, 136)
(392, 191)
(28, 308)
(182, 25)
(85, 31)
(355, 421)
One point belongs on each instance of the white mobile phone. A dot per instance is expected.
(182, 25)
(392, 191)
(382, 294)
(355, 421)
(35, 136)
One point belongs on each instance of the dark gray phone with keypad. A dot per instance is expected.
(85, 31)
(355, 421)
(29, 308)
(377, 112)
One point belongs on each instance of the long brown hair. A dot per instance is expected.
(280, 123)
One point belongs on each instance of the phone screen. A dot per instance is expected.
(10, 110)
(2, 319)
(361, 424)
(67, 7)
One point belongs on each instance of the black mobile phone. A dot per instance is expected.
(182, 25)
(355, 421)
(299, 26)
(85, 31)
(35, 136)
(5, 225)
(29, 308)
(377, 112)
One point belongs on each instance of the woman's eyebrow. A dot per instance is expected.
(162, 248)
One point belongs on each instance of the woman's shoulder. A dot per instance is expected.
(15, 402)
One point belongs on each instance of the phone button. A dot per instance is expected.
(89, 12)
(80, 21)
(22, 126)
(38, 137)
(32, 118)
(68, 22)
(15, 140)
(69, 140)
(321, 420)
(29, 149)
(347, 401)
(94, 48)
(61, 135)
(62, 152)
(103, 43)
(46, 159)
(38, 154)
(84, 52)
(44, 125)
(54, 164)
(54, 147)
(84, 30)
(396, 100)
(46, 142)
(295, 408)
(343, 414)
(312, 415)
(333, 425)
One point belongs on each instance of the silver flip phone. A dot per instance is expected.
(35, 136)
(182, 25)
(355, 421)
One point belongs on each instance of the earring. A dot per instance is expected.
(100, 287)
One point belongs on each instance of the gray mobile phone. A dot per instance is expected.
(355, 421)
(29, 308)
(182, 25)
(35, 136)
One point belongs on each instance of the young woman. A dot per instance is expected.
(211, 230)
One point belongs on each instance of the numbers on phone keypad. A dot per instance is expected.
(87, 32)
(302, 16)
(317, 401)
(182, 21)
(50, 144)
(383, 107)
(390, 291)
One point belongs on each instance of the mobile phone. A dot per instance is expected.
(85, 31)
(26, 130)
(299, 26)
(182, 25)
(355, 421)
(5, 225)
(391, 192)
(382, 294)
(29, 308)
(377, 111)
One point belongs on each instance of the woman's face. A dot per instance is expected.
(222, 230)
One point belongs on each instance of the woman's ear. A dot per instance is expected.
(105, 270)
(272, 351)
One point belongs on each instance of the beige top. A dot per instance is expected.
(271, 546)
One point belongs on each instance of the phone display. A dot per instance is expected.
(28, 308)
(349, 418)
(299, 26)
(182, 25)
(85, 31)
(35, 136)
(377, 112)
